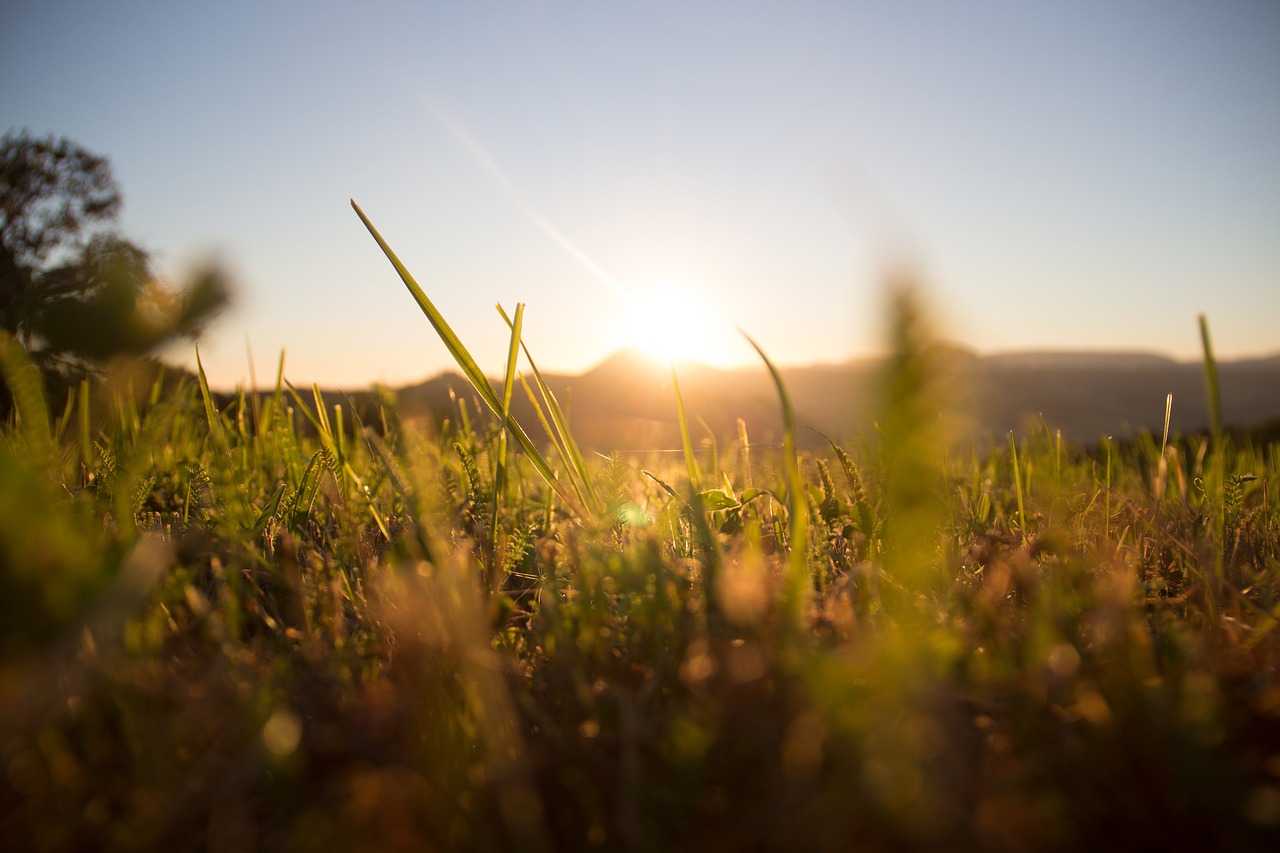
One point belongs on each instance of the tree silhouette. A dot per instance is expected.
(73, 292)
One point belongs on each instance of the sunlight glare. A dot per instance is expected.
(672, 322)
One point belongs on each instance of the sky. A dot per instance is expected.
(1056, 175)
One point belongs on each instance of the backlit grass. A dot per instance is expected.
(250, 627)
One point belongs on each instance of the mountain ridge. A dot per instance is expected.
(626, 402)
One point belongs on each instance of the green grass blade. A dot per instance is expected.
(563, 436)
(798, 580)
(690, 461)
(470, 368)
(538, 411)
(1212, 390)
(1017, 484)
(465, 362)
(278, 395)
(1162, 465)
(210, 411)
(63, 421)
(508, 385)
(1216, 480)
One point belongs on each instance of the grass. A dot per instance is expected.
(252, 628)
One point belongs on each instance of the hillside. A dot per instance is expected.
(627, 402)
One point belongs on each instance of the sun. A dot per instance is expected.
(673, 322)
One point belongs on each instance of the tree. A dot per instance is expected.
(73, 292)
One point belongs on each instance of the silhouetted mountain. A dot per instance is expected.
(1099, 397)
(1050, 359)
(626, 402)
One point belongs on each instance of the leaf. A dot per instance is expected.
(715, 499)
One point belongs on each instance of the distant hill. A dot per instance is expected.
(627, 403)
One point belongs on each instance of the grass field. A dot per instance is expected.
(257, 628)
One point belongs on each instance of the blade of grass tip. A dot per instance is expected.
(210, 411)
(340, 427)
(664, 486)
(253, 388)
(344, 465)
(445, 332)
(340, 439)
(323, 434)
(1211, 382)
(63, 421)
(1106, 528)
(330, 440)
(715, 448)
(538, 411)
(690, 461)
(1057, 461)
(463, 359)
(323, 415)
(1217, 468)
(279, 392)
(1017, 479)
(1168, 413)
(157, 388)
(1162, 465)
(508, 385)
(798, 581)
(242, 428)
(563, 436)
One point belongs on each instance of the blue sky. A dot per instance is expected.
(1076, 175)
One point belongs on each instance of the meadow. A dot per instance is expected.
(248, 624)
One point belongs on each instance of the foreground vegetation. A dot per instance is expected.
(256, 628)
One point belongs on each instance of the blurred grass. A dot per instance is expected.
(224, 631)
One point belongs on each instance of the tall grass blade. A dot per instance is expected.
(563, 438)
(690, 461)
(1212, 390)
(1106, 527)
(465, 362)
(253, 388)
(210, 411)
(1017, 483)
(746, 453)
(508, 385)
(1215, 483)
(278, 395)
(1162, 465)
(64, 420)
(798, 579)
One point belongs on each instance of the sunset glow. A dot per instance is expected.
(564, 155)
(672, 321)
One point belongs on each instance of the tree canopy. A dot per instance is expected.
(73, 291)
